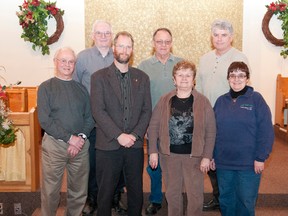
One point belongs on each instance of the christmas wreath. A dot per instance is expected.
(33, 16)
(278, 8)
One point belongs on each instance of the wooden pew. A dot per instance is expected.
(281, 100)
(20, 162)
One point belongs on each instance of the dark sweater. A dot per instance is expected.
(244, 131)
(64, 108)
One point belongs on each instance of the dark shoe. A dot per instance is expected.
(89, 209)
(211, 205)
(120, 209)
(118, 206)
(152, 208)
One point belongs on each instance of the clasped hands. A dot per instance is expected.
(75, 145)
(126, 140)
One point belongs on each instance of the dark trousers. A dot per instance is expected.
(213, 178)
(109, 165)
(92, 183)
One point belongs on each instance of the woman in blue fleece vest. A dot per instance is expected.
(244, 141)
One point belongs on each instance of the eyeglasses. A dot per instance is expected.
(64, 61)
(240, 76)
(161, 42)
(100, 34)
(124, 47)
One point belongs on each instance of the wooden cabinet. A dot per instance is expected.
(19, 163)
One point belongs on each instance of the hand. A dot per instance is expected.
(212, 164)
(205, 165)
(153, 160)
(72, 151)
(77, 142)
(258, 167)
(126, 140)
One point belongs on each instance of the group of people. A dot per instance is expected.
(97, 111)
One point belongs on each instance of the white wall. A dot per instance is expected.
(22, 63)
(17, 56)
(264, 57)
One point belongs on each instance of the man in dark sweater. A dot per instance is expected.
(65, 115)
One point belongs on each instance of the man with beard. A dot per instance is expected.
(92, 59)
(121, 107)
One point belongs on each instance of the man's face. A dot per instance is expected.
(102, 35)
(162, 43)
(64, 64)
(123, 49)
(221, 39)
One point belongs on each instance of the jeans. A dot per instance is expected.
(238, 191)
(156, 183)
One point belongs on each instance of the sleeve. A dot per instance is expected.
(154, 126)
(210, 131)
(89, 122)
(265, 131)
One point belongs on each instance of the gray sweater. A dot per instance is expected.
(64, 108)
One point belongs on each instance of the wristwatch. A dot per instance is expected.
(83, 136)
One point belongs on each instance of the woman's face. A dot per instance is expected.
(184, 79)
(237, 80)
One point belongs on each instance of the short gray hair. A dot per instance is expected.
(223, 25)
(64, 49)
(98, 22)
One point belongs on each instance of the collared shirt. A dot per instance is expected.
(160, 75)
(89, 61)
(125, 83)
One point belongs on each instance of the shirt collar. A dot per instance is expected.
(155, 60)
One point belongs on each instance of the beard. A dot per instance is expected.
(121, 57)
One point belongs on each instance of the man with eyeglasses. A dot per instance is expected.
(121, 107)
(159, 69)
(64, 113)
(211, 79)
(90, 60)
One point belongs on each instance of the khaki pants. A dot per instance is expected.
(54, 161)
(182, 171)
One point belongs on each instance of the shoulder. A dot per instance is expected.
(208, 54)
(237, 54)
(138, 72)
(146, 62)
(103, 72)
(86, 52)
(176, 59)
(47, 83)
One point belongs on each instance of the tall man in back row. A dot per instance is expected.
(159, 69)
(212, 79)
(90, 60)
